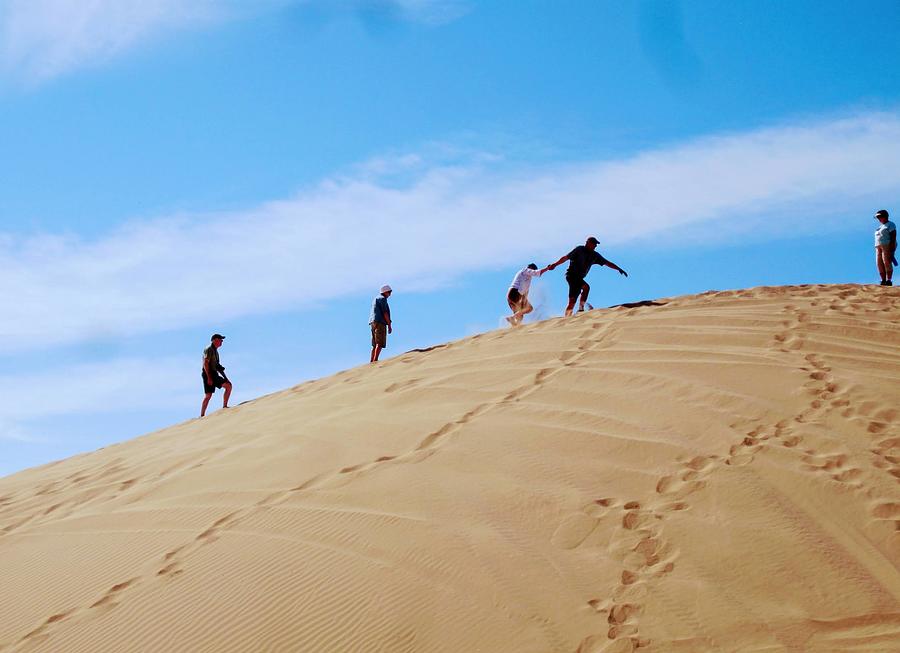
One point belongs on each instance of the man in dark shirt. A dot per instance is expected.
(213, 373)
(580, 261)
(380, 322)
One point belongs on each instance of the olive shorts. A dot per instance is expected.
(379, 334)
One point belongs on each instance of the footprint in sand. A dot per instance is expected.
(109, 598)
(402, 385)
(635, 518)
(601, 644)
(887, 510)
(679, 486)
(791, 441)
(876, 427)
(834, 466)
(742, 454)
(171, 570)
(599, 507)
(826, 463)
(573, 530)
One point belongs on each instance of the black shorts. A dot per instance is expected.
(514, 296)
(209, 388)
(575, 286)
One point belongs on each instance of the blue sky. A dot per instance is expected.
(171, 169)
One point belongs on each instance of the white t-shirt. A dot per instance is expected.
(883, 233)
(522, 280)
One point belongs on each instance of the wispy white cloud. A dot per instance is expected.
(13, 431)
(426, 11)
(350, 234)
(120, 385)
(41, 39)
(36, 405)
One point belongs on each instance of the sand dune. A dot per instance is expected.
(716, 473)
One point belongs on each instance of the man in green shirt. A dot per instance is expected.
(213, 373)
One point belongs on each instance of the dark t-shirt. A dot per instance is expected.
(380, 310)
(211, 354)
(580, 261)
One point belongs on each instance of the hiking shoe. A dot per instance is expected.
(888, 283)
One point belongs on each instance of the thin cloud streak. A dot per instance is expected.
(442, 222)
(98, 389)
(42, 39)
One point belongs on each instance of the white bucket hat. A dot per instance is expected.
(385, 288)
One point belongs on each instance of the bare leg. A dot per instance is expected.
(376, 352)
(515, 309)
(585, 289)
(570, 306)
(227, 386)
(520, 310)
(525, 310)
(206, 399)
(882, 261)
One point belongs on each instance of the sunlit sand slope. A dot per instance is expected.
(713, 473)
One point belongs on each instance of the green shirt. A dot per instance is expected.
(211, 354)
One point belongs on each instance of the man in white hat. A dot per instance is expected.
(885, 247)
(380, 322)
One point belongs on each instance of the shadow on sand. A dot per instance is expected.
(646, 302)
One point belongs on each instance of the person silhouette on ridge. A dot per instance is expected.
(885, 247)
(213, 373)
(580, 261)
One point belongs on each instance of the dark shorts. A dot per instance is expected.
(209, 388)
(514, 297)
(575, 286)
(379, 334)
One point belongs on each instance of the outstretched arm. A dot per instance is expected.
(612, 265)
(559, 262)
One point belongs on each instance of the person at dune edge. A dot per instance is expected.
(580, 261)
(517, 295)
(213, 373)
(885, 247)
(380, 322)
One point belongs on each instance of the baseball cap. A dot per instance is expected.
(386, 288)
(882, 212)
(216, 335)
(591, 239)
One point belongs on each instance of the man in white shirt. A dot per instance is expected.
(517, 295)
(885, 246)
